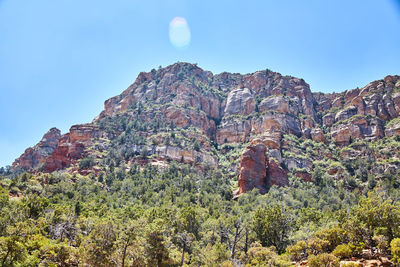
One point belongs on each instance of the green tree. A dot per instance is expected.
(100, 245)
(189, 220)
(374, 213)
(272, 227)
(144, 152)
(126, 239)
(12, 251)
(35, 205)
(156, 251)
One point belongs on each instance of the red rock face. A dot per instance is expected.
(276, 174)
(71, 147)
(60, 158)
(256, 171)
(253, 169)
(168, 85)
(377, 102)
(184, 84)
(233, 131)
(272, 140)
(34, 156)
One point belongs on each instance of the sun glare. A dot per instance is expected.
(179, 32)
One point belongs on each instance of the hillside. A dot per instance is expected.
(190, 168)
(186, 114)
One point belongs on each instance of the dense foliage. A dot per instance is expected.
(147, 216)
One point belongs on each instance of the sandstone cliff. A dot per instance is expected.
(186, 114)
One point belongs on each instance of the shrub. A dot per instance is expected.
(297, 251)
(343, 251)
(357, 249)
(395, 249)
(317, 245)
(381, 242)
(323, 259)
(351, 264)
(196, 146)
(227, 264)
(334, 236)
(86, 163)
(266, 256)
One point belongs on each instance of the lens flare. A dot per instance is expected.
(179, 32)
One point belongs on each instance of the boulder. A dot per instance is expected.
(343, 134)
(272, 140)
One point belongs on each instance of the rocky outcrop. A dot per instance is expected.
(186, 85)
(281, 123)
(233, 131)
(184, 118)
(346, 113)
(237, 130)
(35, 156)
(298, 163)
(253, 169)
(164, 152)
(240, 102)
(356, 128)
(305, 176)
(328, 119)
(257, 171)
(179, 84)
(318, 135)
(276, 175)
(379, 99)
(277, 104)
(393, 128)
(272, 140)
(71, 146)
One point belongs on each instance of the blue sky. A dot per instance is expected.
(59, 60)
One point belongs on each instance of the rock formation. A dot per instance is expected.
(253, 169)
(34, 156)
(184, 113)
